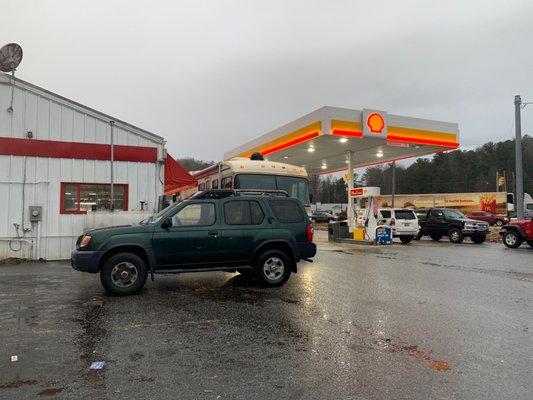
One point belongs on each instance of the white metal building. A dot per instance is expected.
(56, 154)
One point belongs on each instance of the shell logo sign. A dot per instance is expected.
(375, 123)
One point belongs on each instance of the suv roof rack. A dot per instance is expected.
(221, 193)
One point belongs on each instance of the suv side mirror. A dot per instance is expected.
(167, 223)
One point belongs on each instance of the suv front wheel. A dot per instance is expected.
(455, 235)
(123, 274)
(272, 268)
(512, 240)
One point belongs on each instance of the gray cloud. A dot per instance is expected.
(208, 75)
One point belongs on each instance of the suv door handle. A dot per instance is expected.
(212, 233)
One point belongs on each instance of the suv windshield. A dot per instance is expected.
(154, 219)
(294, 186)
(453, 214)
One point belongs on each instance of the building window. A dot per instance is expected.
(78, 198)
(201, 187)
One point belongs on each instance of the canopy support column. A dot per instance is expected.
(349, 211)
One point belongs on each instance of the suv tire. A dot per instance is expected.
(455, 235)
(418, 236)
(272, 268)
(498, 222)
(436, 236)
(512, 239)
(530, 242)
(406, 239)
(123, 274)
(478, 239)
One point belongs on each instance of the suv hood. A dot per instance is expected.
(472, 221)
(118, 229)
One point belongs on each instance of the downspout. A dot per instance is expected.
(112, 157)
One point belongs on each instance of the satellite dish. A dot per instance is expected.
(10, 57)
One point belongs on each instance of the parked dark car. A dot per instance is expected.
(264, 234)
(439, 222)
(491, 219)
(518, 232)
(322, 216)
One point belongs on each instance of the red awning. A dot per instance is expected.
(177, 178)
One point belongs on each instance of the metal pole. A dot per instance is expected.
(349, 212)
(112, 192)
(393, 181)
(518, 158)
(497, 181)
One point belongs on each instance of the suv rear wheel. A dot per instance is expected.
(435, 236)
(530, 242)
(456, 236)
(123, 274)
(406, 239)
(272, 268)
(511, 239)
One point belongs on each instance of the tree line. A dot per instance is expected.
(458, 171)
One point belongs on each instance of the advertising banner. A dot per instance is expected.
(493, 202)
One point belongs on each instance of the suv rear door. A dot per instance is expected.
(244, 224)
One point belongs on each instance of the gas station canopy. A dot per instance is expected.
(322, 140)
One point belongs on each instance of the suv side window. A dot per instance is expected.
(437, 214)
(287, 211)
(240, 212)
(196, 214)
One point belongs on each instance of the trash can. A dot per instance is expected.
(338, 230)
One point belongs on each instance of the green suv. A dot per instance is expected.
(261, 233)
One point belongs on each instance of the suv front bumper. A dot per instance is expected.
(86, 261)
(475, 231)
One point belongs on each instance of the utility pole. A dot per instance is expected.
(518, 159)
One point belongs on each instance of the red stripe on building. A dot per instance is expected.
(77, 150)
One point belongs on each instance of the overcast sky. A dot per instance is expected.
(210, 75)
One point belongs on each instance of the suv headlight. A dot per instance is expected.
(85, 241)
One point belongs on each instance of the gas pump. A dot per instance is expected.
(365, 209)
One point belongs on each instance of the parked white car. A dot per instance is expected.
(403, 221)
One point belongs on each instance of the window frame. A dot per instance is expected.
(248, 202)
(78, 210)
(287, 200)
(193, 226)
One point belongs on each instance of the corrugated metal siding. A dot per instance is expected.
(51, 118)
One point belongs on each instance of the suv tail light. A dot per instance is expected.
(310, 232)
(392, 222)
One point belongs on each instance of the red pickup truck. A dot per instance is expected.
(517, 232)
(492, 219)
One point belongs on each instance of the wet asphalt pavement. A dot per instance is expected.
(424, 321)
